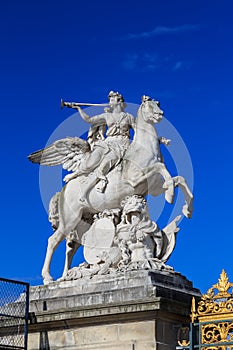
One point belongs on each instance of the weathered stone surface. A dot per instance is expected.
(137, 310)
(124, 288)
(117, 336)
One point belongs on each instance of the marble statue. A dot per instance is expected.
(102, 206)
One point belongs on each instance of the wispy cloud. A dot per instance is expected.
(130, 61)
(181, 65)
(147, 62)
(152, 62)
(162, 30)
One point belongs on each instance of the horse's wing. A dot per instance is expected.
(68, 152)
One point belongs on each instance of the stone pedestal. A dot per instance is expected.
(137, 310)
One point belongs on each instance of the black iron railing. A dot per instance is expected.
(14, 305)
(210, 335)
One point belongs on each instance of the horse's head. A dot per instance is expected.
(150, 109)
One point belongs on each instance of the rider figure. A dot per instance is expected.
(117, 141)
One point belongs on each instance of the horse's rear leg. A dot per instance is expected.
(53, 243)
(71, 248)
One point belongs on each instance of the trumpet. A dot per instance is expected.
(76, 104)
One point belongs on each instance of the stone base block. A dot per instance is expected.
(137, 310)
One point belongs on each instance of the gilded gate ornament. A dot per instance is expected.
(214, 313)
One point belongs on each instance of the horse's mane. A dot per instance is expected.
(139, 114)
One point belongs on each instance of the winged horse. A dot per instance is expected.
(140, 172)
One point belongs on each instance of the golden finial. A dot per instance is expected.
(222, 286)
(217, 301)
(193, 310)
(214, 313)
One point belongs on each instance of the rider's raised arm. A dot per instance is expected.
(97, 119)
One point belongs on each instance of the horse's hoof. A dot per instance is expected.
(186, 212)
(61, 279)
(169, 191)
(47, 280)
(169, 195)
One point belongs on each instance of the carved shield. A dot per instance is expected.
(98, 239)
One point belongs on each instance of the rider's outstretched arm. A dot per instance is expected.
(97, 119)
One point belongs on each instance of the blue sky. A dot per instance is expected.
(178, 52)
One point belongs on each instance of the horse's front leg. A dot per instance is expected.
(188, 207)
(158, 168)
(169, 186)
(53, 243)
